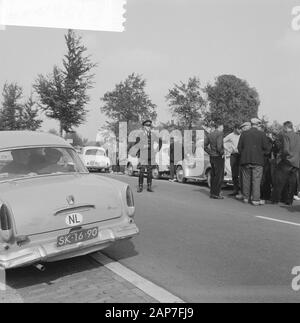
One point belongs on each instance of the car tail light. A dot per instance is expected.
(5, 223)
(129, 197)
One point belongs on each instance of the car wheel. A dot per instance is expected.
(130, 171)
(180, 175)
(208, 175)
(155, 173)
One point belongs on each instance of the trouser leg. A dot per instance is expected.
(257, 173)
(172, 170)
(217, 175)
(246, 181)
(141, 175)
(241, 179)
(292, 185)
(281, 181)
(149, 175)
(266, 181)
(235, 169)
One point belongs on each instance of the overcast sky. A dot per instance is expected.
(168, 41)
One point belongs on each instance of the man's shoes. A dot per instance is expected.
(172, 180)
(239, 196)
(149, 189)
(258, 203)
(246, 201)
(140, 189)
(217, 197)
(296, 198)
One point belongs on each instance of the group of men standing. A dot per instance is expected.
(262, 168)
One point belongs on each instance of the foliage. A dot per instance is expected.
(63, 94)
(186, 103)
(14, 114)
(77, 139)
(128, 102)
(231, 101)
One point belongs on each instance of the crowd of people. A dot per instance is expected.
(264, 167)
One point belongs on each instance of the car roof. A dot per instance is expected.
(15, 139)
(94, 147)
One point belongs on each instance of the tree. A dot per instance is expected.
(186, 103)
(16, 115)
(128, 102)
(11, 107)
(77, 140)
(231, 100)
(29, 116)
(63, 94)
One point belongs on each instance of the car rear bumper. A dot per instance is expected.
(97, 167)
(48, 251)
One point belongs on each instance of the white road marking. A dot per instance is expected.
(151, 289)
(280, 221)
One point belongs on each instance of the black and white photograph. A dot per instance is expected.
(149, 154)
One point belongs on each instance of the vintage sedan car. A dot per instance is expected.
(95, 159)
(51, 207)
(160, 168)
(199, 169)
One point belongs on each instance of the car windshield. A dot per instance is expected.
(18, 163)
(95, 152)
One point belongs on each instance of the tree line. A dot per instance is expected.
(229, 100)
(63, 96)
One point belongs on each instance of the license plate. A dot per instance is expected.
(77, 236)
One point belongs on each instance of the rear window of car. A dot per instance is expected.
(95, 152)
(24, 162)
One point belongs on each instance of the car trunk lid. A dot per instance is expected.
(45, 204)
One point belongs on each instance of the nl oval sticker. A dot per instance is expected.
(74, 219)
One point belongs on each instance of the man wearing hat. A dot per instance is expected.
(244, 127)
(214, 147)
(297, 193)
(231, 146)
(145, 162)
(288, 167)
(253, 145)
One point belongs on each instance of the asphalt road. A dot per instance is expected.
(198, 249)
(204, 250)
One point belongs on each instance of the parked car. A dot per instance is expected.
(161, 167)
(51, 207)
(96, 159)
(199, 169)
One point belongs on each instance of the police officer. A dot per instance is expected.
(145, 162)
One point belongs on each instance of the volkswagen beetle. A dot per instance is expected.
(51, 207)
(95, 158)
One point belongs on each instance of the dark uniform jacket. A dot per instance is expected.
(291, 149)
(253, 146)
(147, 152)
(214, 144)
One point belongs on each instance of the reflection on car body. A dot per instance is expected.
(51, 207)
